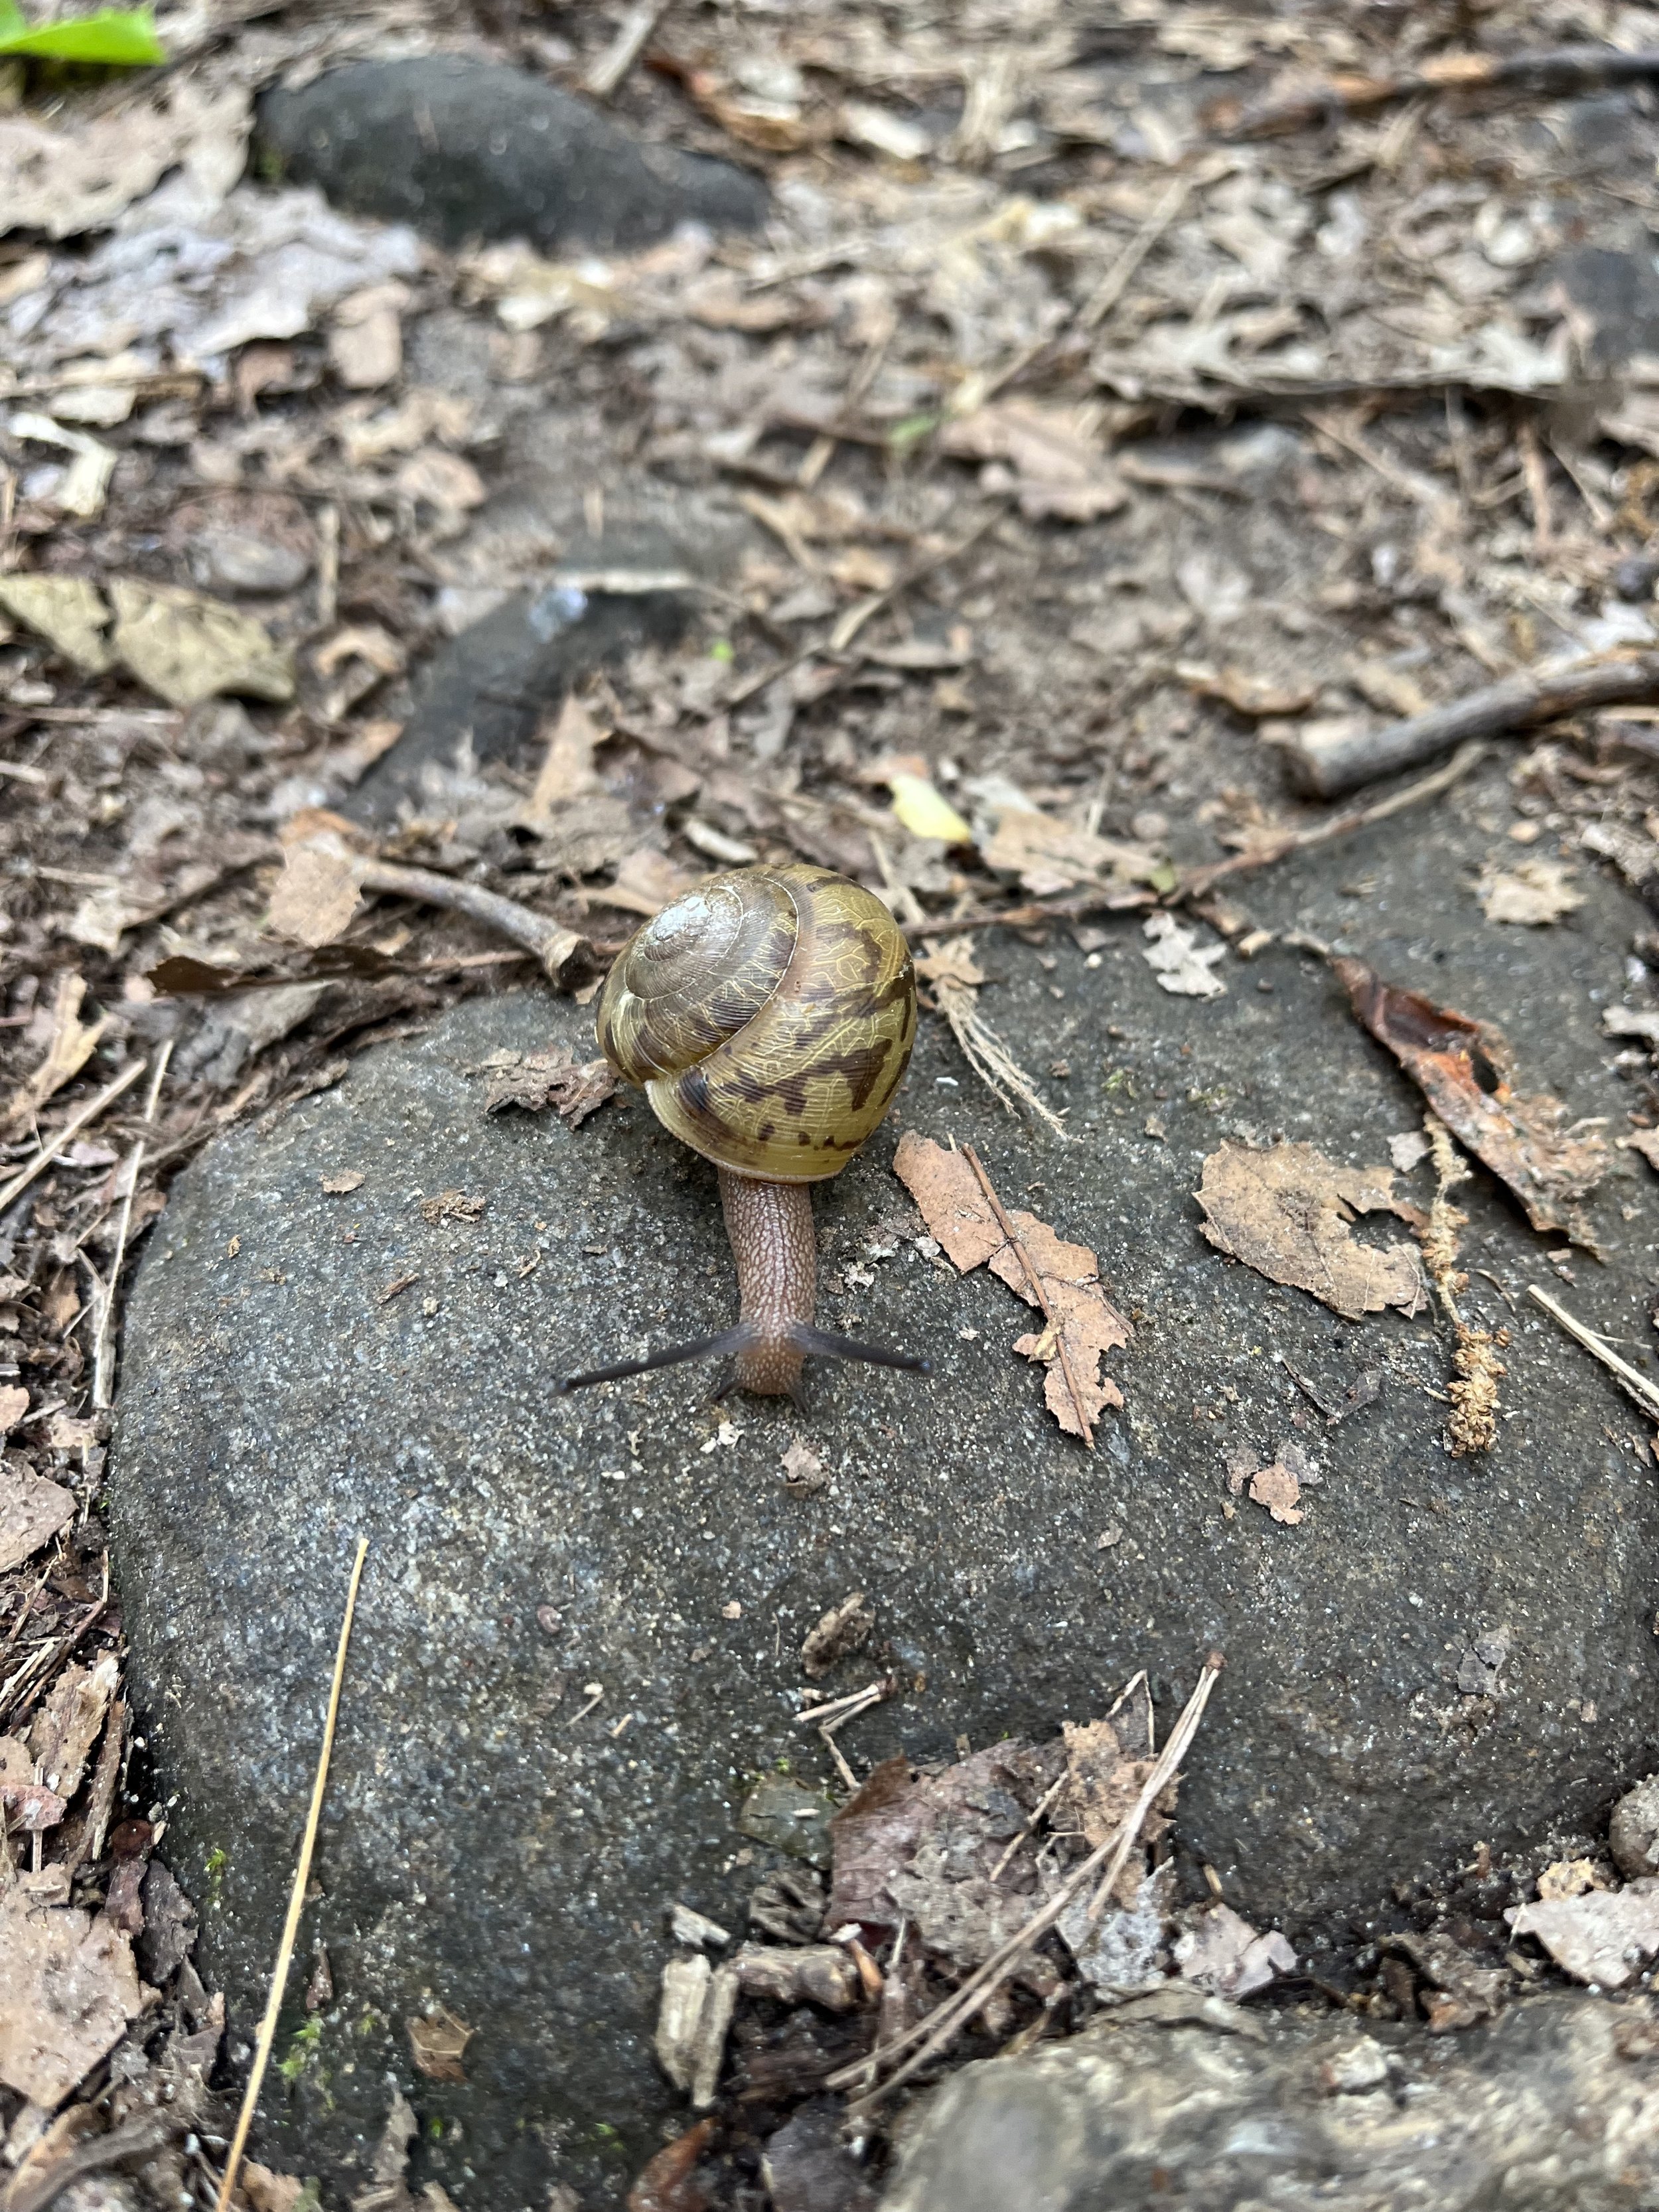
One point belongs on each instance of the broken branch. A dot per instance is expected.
(1637, 1385)
(550, 941)
(1554, 71)
(1326, 767)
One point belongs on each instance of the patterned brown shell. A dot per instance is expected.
(769, 1014)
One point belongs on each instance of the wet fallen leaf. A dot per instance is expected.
(1124, 1949)
(68, 611)
(1463, 1068)
(1054, 464)
(1287, 1212)
(437, 2042)
(1180, 963)
(187, 647)
(69, 1049)
(1085, 1324)
(553, 1077)
(69, 1722)
(1604, 1937)
(68, 1988)
(32, 1512)
(1225, 1954)
(846, 1627)
(1532, 893)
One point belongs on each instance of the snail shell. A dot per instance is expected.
(769, 1014)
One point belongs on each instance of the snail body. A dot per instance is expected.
(769, 1015)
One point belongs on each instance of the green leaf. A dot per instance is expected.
(115, 37)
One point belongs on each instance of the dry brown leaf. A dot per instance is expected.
(1086, 1325)
(187, 647)
(14, 1404)
(844, 1628)
(1056, 466)
(321, 882)
(68, 1988)
(438, 2042)
(442, 480)
(76, 173)
(69, 1724)
(338, 1186)
(1533, 893)
(803, 1470)
(1253, 696)
(68, 611)
(267, 2190)
(32, 1512)
(1278, 1487)
(1521, 1139)
(1286, 1213)
(69, 1049)
(1104, 1777)
(567, 771)
(366, 346)
(1049, 856)
(646, 881)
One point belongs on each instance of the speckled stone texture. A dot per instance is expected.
(491, 1842)
(1551, 2107)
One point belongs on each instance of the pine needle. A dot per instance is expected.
(295, 1901)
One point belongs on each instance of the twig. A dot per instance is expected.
(870, 1694)
(1113, 284)
(945, 2021)
(1329, 767)
(103, 1342)
(1203, 880)
(1037, 1812)
(72, 1129)
(625, 50)
(550, 942)
(1039, 1295)
(296, 1900)
(1637, 1385)
(1552, 70)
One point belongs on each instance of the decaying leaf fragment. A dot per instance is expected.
(1463, 1068)
(553, 1077)
(32, 1510)
(68, 1988)
(1050, 460)
(1287, 1212)
(68, 1051)
(1181, 963)
(1604, 1936)
(1082, 1323)
(321, 882)
(1532, 893)
(437, 2043)
(844, 1628)
(1225, 1954)
(1050, 856)
(187, 647)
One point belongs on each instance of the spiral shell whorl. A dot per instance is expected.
(769, 1014)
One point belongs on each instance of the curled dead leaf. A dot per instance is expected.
(1463, 1068)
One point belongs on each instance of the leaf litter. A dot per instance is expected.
(1288, 1213)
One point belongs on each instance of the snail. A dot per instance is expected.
(768, 1013)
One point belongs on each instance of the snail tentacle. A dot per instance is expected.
(700, 1348)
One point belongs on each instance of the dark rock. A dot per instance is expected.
(1616, 290)
(468, 149)
(1541, 2108)
(494, 1844)
(809, 2168)
(1635, 575)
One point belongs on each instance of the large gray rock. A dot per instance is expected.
(493, 1843)
(1552, 2108)
(463, 150)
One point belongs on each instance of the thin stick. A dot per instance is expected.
(1039, 1295)
(1637, 1385)
(1329, 767)
(1115, 283)
(1202, 880)
(1037, 1812)
(296, 1900)
(1551, 69)
(72, 1129)
(946, 2020)
(550, 942)
(103, 1343)
(625, 50)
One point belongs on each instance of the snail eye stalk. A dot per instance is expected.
(811, 1343)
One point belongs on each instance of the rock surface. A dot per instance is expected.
(1543, 2108)
(469, 150)
(503, 1838)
